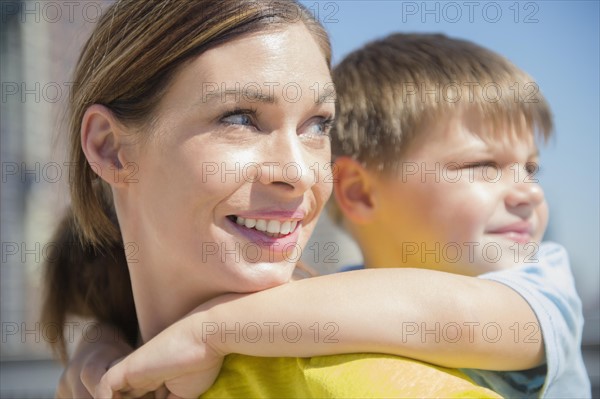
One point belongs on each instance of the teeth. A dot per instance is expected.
(271, 227)
(286, 227)
(261, 225)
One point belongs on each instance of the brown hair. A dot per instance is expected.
(127, 65)
(388, 90)
(82, 281)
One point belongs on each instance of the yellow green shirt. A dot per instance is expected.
(340, 376)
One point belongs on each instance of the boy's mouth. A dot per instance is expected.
(270, 227)
(520, 232)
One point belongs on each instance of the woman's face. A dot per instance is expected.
(232, 181)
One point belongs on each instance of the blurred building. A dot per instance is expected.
(39, 43)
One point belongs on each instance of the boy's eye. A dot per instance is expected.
(481, 164)
(532, 168)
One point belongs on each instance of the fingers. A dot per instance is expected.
(103, 391)
(161, 393)
(91, 375)
(70, 386)
(63, 389)
(109, 384)
(118, 380)
(86, 367)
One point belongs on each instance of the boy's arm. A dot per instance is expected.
(549, 288)
(441, 318)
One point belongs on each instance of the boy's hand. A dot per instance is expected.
(89, 362)
(175, 359)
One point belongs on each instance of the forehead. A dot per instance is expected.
(470, 131)
(272, 61)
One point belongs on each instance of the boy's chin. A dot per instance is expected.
(496, 257)
(506, 261)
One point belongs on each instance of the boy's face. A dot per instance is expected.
(463, 201)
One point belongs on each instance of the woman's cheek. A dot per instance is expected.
(324, 190)
(216, 175)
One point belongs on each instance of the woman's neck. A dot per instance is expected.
(161, 296)
(159, 302)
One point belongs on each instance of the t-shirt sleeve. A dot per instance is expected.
(547, 284)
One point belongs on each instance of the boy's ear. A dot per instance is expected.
(102, 141)
(354, 190)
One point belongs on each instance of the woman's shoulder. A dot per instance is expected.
(349, 376)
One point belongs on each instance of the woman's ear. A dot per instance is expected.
(102, 141)
(354, 190)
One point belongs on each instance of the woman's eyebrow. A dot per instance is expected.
(253, 95)
(328, 96)
(239, 95)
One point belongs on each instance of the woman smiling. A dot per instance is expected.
(170, 92)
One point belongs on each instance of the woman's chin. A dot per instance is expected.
(266, 275)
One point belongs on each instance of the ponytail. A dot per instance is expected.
(82, 281)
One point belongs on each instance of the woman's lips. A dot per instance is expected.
(275, 242)
(271, 227)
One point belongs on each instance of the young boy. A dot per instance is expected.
(435, 160)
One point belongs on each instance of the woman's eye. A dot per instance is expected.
(320, 127)
(238, 119)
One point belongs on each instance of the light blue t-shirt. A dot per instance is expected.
(547, 285)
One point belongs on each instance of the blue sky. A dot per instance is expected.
(557, 42)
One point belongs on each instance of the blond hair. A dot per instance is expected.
(388, 90)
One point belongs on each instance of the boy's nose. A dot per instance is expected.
(524, 195)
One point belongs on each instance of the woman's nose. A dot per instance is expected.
(286, 164)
